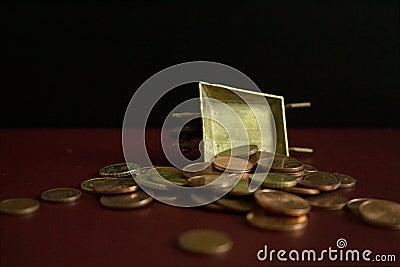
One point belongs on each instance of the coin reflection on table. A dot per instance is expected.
(126, 201)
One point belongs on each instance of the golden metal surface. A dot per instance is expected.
(61, 195)
(230, 96)
(19, 206)
(205, 241)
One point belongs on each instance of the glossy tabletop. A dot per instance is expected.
(84, 233)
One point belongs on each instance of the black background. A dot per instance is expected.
(77, 64)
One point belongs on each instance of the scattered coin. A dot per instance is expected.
(231, 164)
(240, 189)
(309, 169)
(283, 163)
(279, 180)
(126, 201)
(262, 158)
(171, 174)
(119, 170)
(221, 181)
(205, 241)
(301, 190)
(354, 204)
(281, 202)
(382, 213)
(199, 168)
(324, 181)
(239, 151)
(147, 182)
(346, 181)
(19, 206)
(263, 220)
(328, 201)
(115, 186)
(88, 184)
(61, 195)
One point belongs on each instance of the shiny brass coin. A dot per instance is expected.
(239, 151)
(171, 174)
(346, 181)
(279, 180)
(382, 213)
(207, 179)
(262, 157)
(88, 184)
(145, 170)
(167, 170)
(205, 241)
(199, 168)
(281, 202)
(146, 181)
(283, 163)
(19, 206)
(263, 220)
(238, 205)
(61, 195)
(119, 170)
(328, 201)
(126, 201)
(354, 204)
(309, 169)
(298, 175)
(240, 189)
(232, 164)
(301, 190)
(324, 181)
(115, 186)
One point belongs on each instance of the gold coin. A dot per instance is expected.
(346, 181)
(240, 189)
(205, 241)
(19, 206)
(147, 182)
(231, 164)
(328, 201)
(301, 190)
(382, 213)
(119, 170)
(283, 163)
(88, 184)
(324, 181)
(282, 202)
(62, 195)
(239, 205)
(354, 204)
(126, 201)
(263, 220)
(239, 151)
(262, 157)
(279, 180)
(115, 186)
(309, 169)
(199, 168)
(171, 174)
(224, 182)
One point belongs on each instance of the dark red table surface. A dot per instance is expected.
(86, 234)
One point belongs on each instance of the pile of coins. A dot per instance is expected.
(290, 190)
(116, 187)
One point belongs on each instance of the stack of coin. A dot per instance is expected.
(279, 210)
(116, 187)
(377, 212)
